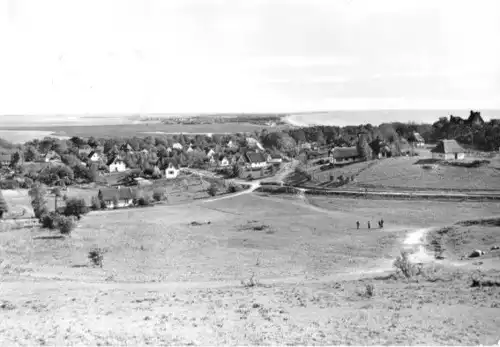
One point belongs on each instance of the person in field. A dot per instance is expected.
(357, 224)
(369, 225)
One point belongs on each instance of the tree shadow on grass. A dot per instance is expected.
(426, 161)
(52, 237)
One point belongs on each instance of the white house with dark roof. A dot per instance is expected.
(95, 156)
(448, 150)
(223, 161)
(419, 140)
(256, 160)
(117, 164)
(274, 159)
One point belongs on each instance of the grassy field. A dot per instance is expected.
(167, 280)
(406, 172)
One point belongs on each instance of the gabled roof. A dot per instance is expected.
(345, 152)
(121, 193)
(418, 137)
(115, 160)
(92, 153)
(275, 156)
(164, 163)
(448, 146)
(254, 157)
(52, 154)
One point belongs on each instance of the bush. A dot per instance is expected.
(158, 195)
(50, 220)
(143, 201)
(66, 224)
(369, 290)
(96, 203)
(405, 266)
(213, 189)
(96, 256)
(232, 188)
(75, 207)
(115, 202)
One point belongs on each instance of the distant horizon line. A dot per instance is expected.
(247, 113)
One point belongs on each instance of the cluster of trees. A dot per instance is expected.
(63, 219)
(394, 134)
(484, 137)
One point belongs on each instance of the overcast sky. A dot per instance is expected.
(103, 56)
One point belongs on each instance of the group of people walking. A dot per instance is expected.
(380, 224)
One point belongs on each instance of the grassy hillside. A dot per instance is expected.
(406, 172)
(166, 280)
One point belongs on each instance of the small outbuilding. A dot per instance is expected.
(448, 150)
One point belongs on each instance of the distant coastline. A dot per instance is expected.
(376, 117)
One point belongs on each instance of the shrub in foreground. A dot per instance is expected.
(405, 266)
(158, 195)
(212, 190)
(50, 220)
(143, 201)
(96, 256)
(66, 224)
(75, 207)
(232, 188)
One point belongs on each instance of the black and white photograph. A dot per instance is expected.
(249, 172)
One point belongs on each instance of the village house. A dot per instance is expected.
(256, 160)
(253, 143)
(190, 149)
(5, 159)
(239, 159)
(223, 161)
(145, 151)
(172, 170)
(177, 145)
(418, 140)
(209, 152)
(343, 155)
(52, 157)
(448, 150)
(117, 165)
(85, 150)
(95, 156)
(231, 144)
(122, 196)
(127, 148)
(274, 159)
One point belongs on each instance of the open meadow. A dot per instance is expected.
(250, 269)
(418, 173)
